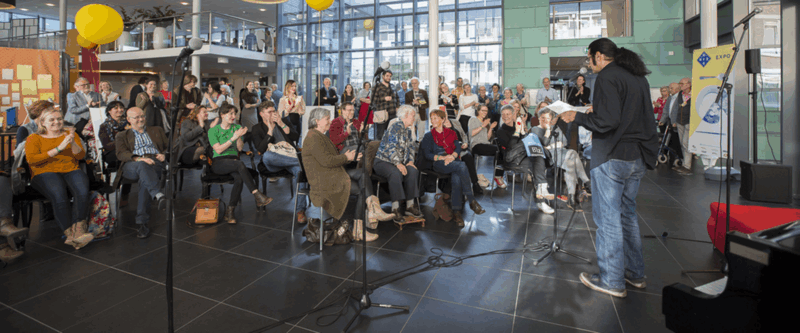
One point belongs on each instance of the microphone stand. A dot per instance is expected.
(555, 246)
(170, 209)
(362, 297)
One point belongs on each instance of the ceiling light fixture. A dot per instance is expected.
(148, 65)
(24, 9)
(266, 2)
(8, 4)
(185, 3)
(257, 73)
(262, 64)
(222, 60)
(227, 71)
(262, 9)
(50, 5)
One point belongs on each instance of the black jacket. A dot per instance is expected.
(135, 91)
(622, 122)
(684, 111)
(261, 138)
(322, 92)
(582, 100)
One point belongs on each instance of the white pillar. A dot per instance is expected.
(433, 55)
(708, 23)
(62, 15)
(196, 34)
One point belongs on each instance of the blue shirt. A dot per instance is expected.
(551, 93)
(401, 96)
(143, 145)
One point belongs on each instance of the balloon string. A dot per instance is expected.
(319, 57)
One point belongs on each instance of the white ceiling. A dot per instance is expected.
(235, 8)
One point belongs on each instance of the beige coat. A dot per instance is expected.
(324, 166)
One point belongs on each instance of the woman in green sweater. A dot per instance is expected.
(226, 140)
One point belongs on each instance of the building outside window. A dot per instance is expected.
(336, 45)
(574, 19)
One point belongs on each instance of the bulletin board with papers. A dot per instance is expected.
(26, 76)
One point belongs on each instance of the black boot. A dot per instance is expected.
(229, 215)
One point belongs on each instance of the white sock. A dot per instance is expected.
(395, 205)
(410, 203)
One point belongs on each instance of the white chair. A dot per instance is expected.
(98, 116)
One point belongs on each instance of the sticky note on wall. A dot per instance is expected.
(24, 72)
(29, 87)
(44, 81)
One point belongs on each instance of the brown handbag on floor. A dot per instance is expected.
(208, 211)
(442, 210)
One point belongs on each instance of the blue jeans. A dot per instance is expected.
(460, 183)
(615, 184)
(277, 162)
(55, 187)
(148, 177)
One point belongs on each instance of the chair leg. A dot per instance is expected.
(117, 195)
(513, 186)
(180, 183)
(294, 216)
(321, 229)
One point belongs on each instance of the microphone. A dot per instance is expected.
(748, 17)
(382, 68)
(194, 45)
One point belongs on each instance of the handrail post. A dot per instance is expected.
(143, 38)
(174, 30)
(210, 26)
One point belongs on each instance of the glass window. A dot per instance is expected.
(402, 64)
(356, 37)
(589, 19)
(332, 13)
(395, 31)
(293, 11)
(447, 28)
(292, 39)
(766, 32)
(325, 39)
(421, 71)
(359, 8)
(421, 29)
(478, 3)
(359, 67)
(422, 5)
(479, 26)
(447, 65)
(480, 65)
(392, 7)
(321, 68)
(293, 68)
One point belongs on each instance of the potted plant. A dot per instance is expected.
(129, 23)
(161, 19)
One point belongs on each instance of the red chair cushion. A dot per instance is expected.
(746, 219)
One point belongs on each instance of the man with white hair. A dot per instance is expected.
(327, 94)
(276, 94)
(547, 94)
(418, 98)
(79, 102)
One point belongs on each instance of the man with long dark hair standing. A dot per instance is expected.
(625, 145)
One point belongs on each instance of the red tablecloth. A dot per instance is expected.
(746, 219)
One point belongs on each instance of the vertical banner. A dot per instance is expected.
(709, 120)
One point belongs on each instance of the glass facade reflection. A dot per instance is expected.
(335, 44)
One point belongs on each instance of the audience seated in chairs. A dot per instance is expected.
(273, 136)
(190, 97)
(53, 155)
(395, 162)
(141, 150)
(481, 130)
(31, 126)
(226, 141)
(152, 103)
(509, 136)
(79, 102)
(8, 252)
(465, 155)
(332, 185)
(565, 159)
(194, 136)
(440, 149)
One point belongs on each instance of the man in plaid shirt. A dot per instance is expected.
(384, 100)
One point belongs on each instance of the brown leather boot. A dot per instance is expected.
(9, 230)
(476, 207)
(80, 236)
(458, 219)
(70, 236)
(9, 255)
(358, 227)
(261, 199)
(229, 215)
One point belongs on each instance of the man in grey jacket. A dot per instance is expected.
(79, 102)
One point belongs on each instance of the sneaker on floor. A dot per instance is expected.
(301, 217)
(685, 171)
(272, 179)
(636, 283)
(143, 231)
(545, 208)
(593, 282)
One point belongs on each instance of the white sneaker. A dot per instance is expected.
(542, 193)
(544, 208)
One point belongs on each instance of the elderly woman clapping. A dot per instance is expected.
(395, 162)
(331, 185)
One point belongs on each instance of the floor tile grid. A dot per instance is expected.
(27, 316)
(661, 242)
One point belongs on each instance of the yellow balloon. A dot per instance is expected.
(85, 43)
(98, 24)
(319, 5)
(369, 24)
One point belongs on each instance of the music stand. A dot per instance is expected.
(555, 245)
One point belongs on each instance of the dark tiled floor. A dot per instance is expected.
(243, 277)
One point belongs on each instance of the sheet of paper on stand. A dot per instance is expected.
(560, 107)
(8, 73)
(4, 89)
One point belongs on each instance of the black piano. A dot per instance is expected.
(761, 292)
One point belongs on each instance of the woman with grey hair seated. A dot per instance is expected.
(395, 162)
(331, 185)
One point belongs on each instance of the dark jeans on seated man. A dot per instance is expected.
(57, 187)
(400, 187)
(459, 180)
(148, 177)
